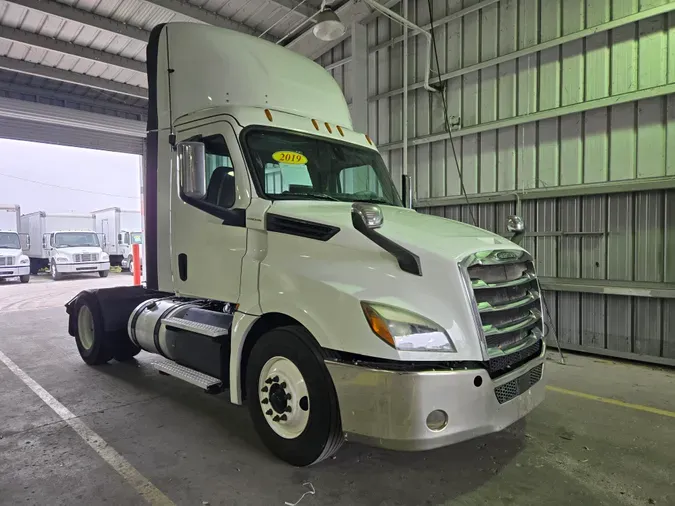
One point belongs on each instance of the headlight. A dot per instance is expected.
(61, 259)
(24, 260)
(406, 331)
(104, 256)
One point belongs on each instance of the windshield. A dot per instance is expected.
(9, 240)
(136, 238)
(295, 166)
(75, 239)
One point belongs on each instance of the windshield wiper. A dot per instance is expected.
(313, 195)
(373, 201)
(10, 247)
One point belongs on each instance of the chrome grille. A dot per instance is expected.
(506, 293)
(85, 257)
(521, 384)
(6, 261)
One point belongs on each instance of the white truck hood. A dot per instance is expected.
(420, 233)
(14, 253)
(323, 282)
(78, 250)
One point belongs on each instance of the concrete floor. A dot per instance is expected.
(199, 449)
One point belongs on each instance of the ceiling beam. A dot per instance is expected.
(113, 104)
(85, 17)
(37, 40)
(205, 16)
(26, 67)
(304, 10)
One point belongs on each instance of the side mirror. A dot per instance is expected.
(407, 191)
(516, 226)
(119, 238)
(366, 216)
(44, 242)
(192, 165)
(104, 241)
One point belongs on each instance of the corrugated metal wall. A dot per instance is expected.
(552, 96)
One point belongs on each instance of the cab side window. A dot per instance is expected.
(220, 187)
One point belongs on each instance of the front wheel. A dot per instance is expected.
(103, 274)
(56, 275)
(291, 397)
(25, 279)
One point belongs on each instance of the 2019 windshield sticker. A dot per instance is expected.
(290, 157)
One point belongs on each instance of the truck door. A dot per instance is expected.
(209, 236)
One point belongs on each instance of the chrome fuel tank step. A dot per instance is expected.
(188, 375)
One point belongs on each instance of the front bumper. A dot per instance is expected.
(389, 409)
(13, 271)
(82, 267)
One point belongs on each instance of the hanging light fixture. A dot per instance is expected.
(328, 26)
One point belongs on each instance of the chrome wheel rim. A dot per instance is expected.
(283, 397)
(85, 327)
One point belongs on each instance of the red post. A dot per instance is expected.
(138, 265)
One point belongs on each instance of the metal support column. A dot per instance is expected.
(359, 70)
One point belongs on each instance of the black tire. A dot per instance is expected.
(323, 435)
(56, 276)
(101, 351)
(103, 274)
(25, 279)
(123, 348)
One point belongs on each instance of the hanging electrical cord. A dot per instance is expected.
(448, 129)
(446, 119)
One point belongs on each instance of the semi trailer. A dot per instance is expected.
(122, 229)
(282, 267)
(66, 243)
(13, 261)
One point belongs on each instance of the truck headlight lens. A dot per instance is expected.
(105, 257)
(61, 259)
(405, 330)
(24, 261)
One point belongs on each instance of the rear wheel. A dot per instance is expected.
(291, 397)
(91, 339)
(25, 279)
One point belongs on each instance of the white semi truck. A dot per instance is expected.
(122, 229)
(13, 261)
(66, 243)
(282, 267)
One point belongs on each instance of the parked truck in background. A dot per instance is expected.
(13, 261)
(282, 266)
(66, 243)
(122, 228)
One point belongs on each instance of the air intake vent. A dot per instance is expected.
(301, 228)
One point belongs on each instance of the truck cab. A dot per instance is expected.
(14, 263)
(126, 240)
(283, 268)
(75, 252)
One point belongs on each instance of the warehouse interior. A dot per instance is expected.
(558, 111)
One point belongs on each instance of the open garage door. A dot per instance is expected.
(32, 121)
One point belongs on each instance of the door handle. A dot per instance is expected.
(182, 266)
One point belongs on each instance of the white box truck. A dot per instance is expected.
(122, 229)
(66, 243)
(314, 296)
(13, 261)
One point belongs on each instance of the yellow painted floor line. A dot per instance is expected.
(638, 407)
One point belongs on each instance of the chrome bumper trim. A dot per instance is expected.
(389, 409)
